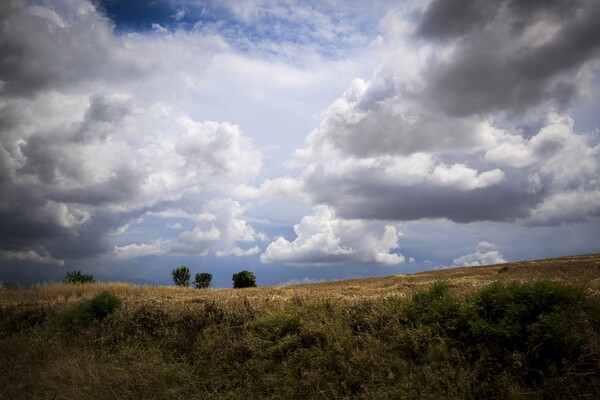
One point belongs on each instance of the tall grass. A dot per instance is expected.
(514, 338)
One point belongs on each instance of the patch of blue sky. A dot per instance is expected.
(270, 35)
(331, 35)
(266, 34)
(143, 16)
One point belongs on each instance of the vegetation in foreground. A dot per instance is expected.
(509, 339)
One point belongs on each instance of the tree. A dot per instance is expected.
(244, 279)
(181, 276)
(202, 280)
(74, 277)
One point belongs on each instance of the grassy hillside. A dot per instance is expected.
(520, 330)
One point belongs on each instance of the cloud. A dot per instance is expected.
(179, 14)
(486, 254)
(29, 255)
(541, 52)
(300, 21)
(567, 207)
(158, 28)
(39, 53)
(108, 136)
(239, 252)
(446, 128)
(91, 138)
(303, 281)
(324, 239)
(61, 179)
(219, 228)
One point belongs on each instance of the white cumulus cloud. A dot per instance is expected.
(486, 254)
(220, 228)
(324, 239)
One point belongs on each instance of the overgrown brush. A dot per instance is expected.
(508, 340)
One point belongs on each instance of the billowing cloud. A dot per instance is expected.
(543, 53)
(486, 254)
(173, 137)
(218, 228)
(63, 179)
(29, 255)
(446, 128)
(85, 151)
(39, 52)
(303, 281)
(324, 239)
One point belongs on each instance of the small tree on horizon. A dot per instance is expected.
(244, 279)
(181, 276)
(74, 277)
(202, 280)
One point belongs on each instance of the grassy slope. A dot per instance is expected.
(367, 338)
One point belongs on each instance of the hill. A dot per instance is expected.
(519, 330)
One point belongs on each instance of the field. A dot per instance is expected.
(519, 330)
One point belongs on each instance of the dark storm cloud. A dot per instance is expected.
(382, 132)
(373, 118)
(450, 18)
(510, 55)
(38, 53)
(35, 208)
(443, 19)
(88, 147)
(92, 237)
(354, 197)
(26, 224)
(435, 132)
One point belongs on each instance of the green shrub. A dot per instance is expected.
(534, 326)
(181, 276)
(244, 279)
(506, 310)
(202, 280)
(435, 305)
(91, 310)
(75, 277)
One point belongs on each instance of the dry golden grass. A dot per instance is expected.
(347, 339)
(583, 270)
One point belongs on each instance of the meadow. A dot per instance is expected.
(527, 330)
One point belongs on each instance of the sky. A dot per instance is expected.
(301, 140)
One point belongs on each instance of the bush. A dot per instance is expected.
(181, 276)
(74, 277)
(244, 279)
(436, 307)
(539, 324)
(202, 280)
(88, 311)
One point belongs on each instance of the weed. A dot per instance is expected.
(89, 311)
